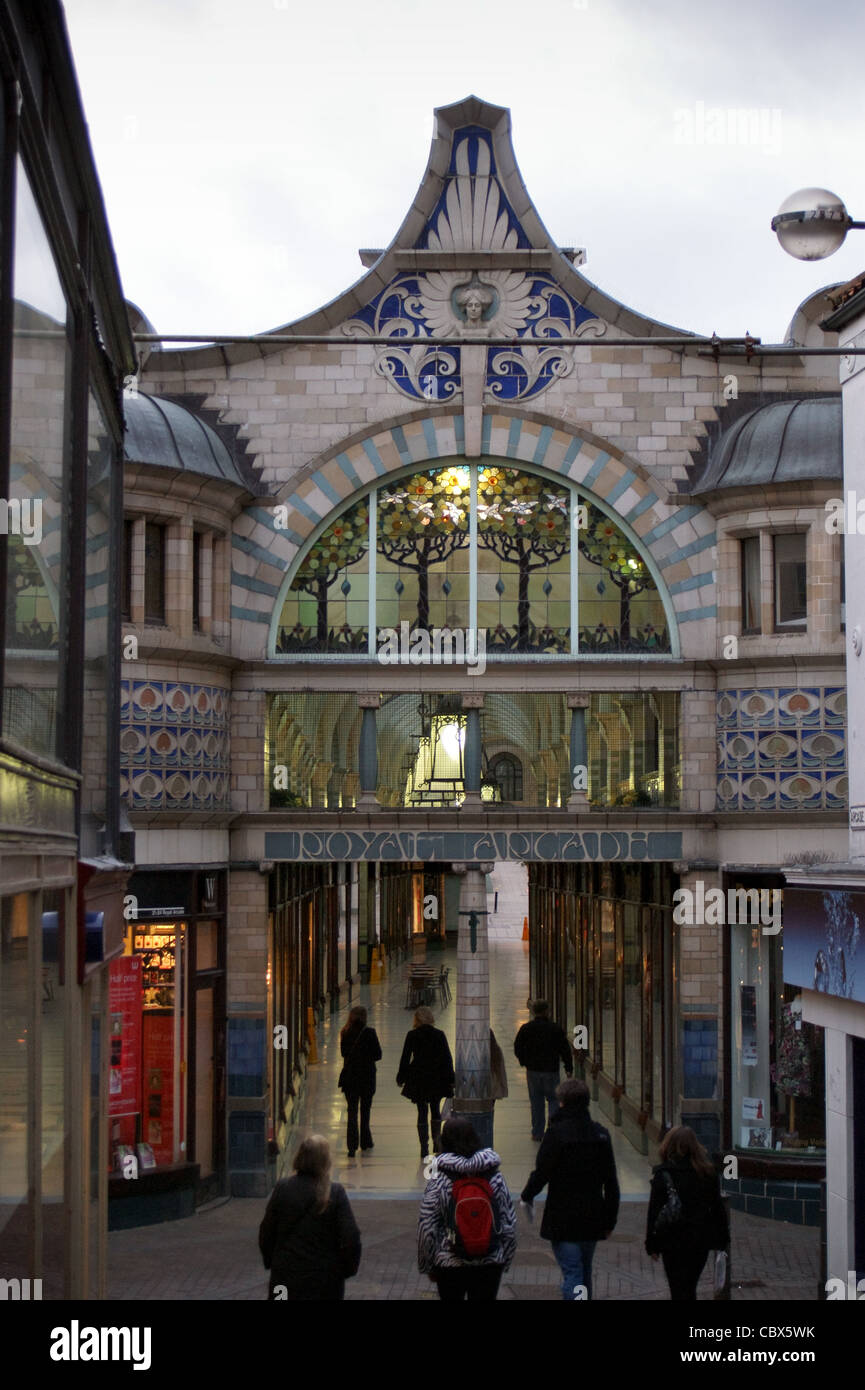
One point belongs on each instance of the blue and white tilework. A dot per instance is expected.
(174, 746)
(782, 749)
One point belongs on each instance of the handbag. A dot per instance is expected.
(670, 1220)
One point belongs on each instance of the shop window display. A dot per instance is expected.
(777, 1090)
(147, 1062)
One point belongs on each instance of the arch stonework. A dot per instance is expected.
(679, 538)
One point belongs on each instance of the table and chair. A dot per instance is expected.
(424, 983)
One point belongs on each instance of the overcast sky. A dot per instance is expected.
(247, 148)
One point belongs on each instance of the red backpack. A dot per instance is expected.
(472, 1224)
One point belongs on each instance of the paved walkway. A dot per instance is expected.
(214, 1254)
(394, 1164)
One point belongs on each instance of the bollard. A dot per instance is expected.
(525, 929)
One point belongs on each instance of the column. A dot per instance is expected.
(250, 1170)
(472, 1062)
(137, 561)
(472, 753)
(368, 752)
(365, 918)
(178, 577)
(696, 1020)
(578, 705)
(205, 582)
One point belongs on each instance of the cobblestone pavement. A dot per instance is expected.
(214, 1255)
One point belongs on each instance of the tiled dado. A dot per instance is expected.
(174, 746)
(782, 749)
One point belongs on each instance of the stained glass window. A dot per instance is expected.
(485, 548)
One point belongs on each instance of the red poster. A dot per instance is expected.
(124, 1005)
(158, 1085)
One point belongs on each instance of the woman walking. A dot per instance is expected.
(697, 1223)
(309, 1238)
(426, 1074)
(360, 1050)
(466, 1225)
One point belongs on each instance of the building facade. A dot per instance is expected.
(460, 575)
(65, 347)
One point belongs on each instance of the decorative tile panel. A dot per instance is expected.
(174, 746)
(782, 749)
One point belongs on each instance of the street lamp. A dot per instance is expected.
(812, 224)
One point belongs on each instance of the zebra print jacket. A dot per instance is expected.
(433, 1233)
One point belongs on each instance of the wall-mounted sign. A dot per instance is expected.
(427, 846)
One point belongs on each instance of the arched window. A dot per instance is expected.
(507, 771)
(485, 547)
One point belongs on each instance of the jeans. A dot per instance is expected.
(542, 1087)
(574, 1258)
(422, 1126)
(479, 1284)
(364, 1100)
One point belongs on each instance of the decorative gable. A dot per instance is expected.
(473, 273)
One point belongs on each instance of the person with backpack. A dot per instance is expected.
(576, 1165)
(540, 1046)
(426, 1074)
(466, 1226)
(686, 1217)
(309, 1238)
(360, 1050)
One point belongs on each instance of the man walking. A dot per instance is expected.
(539, 1046)
(576, 1163)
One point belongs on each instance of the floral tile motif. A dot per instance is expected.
(174, 746)
(781, 749)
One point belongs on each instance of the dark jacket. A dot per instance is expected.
(308, 1252)
(705, 1225)
(426, 1069)
(541, 1045)
(576, 1162)
(361, 1050)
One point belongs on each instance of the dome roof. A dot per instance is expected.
(791, 441)
(168, 435)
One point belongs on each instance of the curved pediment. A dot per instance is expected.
(472, 259)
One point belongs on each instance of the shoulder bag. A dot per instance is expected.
(670, 1221)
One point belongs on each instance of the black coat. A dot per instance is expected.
(361, 1050)
(576, 1163)
(705, 1225)
(541, 1045)
(426, 1069)
(309, 1253)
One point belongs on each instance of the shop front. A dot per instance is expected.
(601, 954)
(775, 1112)
(167, 1048)
(824, 910)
